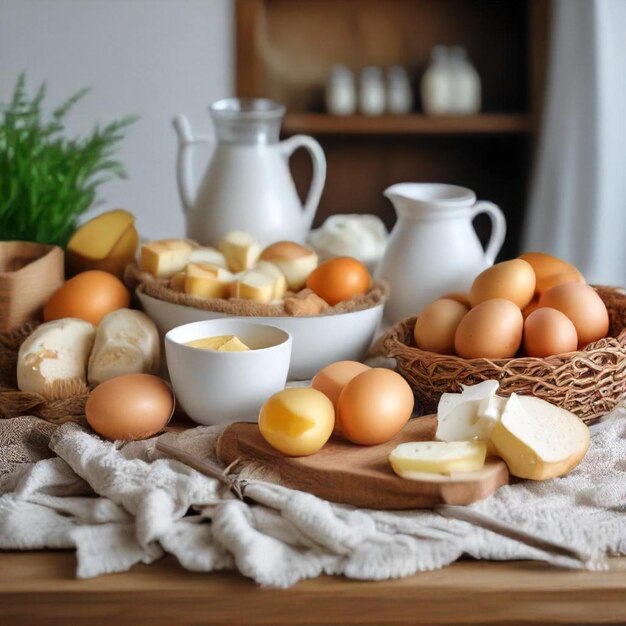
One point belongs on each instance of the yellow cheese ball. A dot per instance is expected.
(512, 280)
(297, 421)
(436, 325)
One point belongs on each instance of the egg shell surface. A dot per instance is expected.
(436, 326)
(339, 279)
(583, 306)
(374, 407)
(511, 280)
(547, 332)
(130, 407)
(491, 330)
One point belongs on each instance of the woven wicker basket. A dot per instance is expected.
(588, 382)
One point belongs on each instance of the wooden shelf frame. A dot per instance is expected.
(414, 124)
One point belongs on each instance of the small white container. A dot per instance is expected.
(341, 91)
(372, 97)
(436, 83)
(399, 92)
(224, 387)
(465, 86)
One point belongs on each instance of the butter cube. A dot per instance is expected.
(177, 282)
(208, 255)
(240, 249)
(165, 257)
(223, 343)
(207, 281)
(280, 282)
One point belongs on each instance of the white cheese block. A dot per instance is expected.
(165, 257)
(469, 415)
(127, 342)
(253, 285)
(207, 255)
(438, 457)
(56, 351)
(280, 283)
(538, 440)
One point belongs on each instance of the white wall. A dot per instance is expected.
(155, 58)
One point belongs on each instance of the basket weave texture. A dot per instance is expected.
(589, 382)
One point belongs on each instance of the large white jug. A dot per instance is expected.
(247, 184)
(433, 248)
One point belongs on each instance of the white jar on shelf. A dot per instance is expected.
(399, 92)
(340, 91)
(465, 84)
(436, 85)
(372, 91)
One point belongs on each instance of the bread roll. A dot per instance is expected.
(295, 261)
(127, 342)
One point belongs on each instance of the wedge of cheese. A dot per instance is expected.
(437, 457)
(253, 285)
(56, 353)
(538, 440)
(177, 281)
(127, 342)
(165, 257)
(240, 249)
(469, 415)
(207, 281)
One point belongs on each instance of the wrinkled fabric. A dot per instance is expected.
(118, 505)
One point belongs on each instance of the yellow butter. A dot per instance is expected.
(204, 280)
(165, 257)
(223, 343)
(438, 457)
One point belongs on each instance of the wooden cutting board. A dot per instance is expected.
(358, 475)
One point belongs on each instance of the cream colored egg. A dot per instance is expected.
(331, 379)
(583, 306)
(547, 332)
(512, 280)
(491, 330)
(436, 326)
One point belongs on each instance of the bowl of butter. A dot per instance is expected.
(223, 370)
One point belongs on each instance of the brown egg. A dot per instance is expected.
(457, 296)
(573, 276)
(532, 306)
(133, 406)
(548, 331)
(88, 296)
(374, 407)
(436, 326)
(491, 330)
(339, 279)
(546, 267)
(331, 380)
(512, 280)
(583, 306)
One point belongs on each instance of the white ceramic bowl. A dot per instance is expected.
(223, 387)
(318, 340)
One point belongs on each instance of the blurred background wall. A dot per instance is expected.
(155, 58)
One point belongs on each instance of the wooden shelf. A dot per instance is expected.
(416, 124)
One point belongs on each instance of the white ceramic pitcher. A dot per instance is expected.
(247, 184)
(433, 248)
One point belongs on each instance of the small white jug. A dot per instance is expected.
(433, 248)
(247, 184)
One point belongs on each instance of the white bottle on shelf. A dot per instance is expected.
(340, 91)
(372, 91)
(436, 83)
(399, 92)
(465, 84)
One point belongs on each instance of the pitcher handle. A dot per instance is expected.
(288, 147)
(498, 228)
(183, 159)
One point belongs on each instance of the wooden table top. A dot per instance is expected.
(38, 588)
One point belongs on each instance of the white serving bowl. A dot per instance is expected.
(318, 340)
(224, 387)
